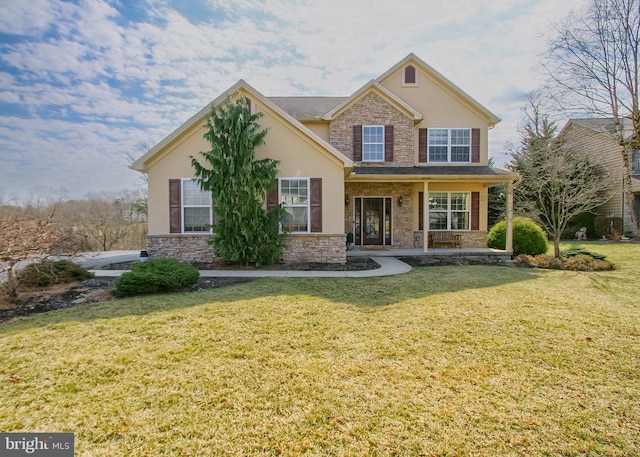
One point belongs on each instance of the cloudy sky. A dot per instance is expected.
(83, 83)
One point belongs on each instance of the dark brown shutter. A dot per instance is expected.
(175, 206)
(316, 204)
(248, 105)
(388, 143)
(475, 210)
(420, 210)
(410, 75)
(272, 198)
(422, 145)
(475, 145)
(357, 142)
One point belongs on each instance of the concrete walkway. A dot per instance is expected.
(388, 266)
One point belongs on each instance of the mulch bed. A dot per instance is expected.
(99, 289)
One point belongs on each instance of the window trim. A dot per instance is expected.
(449, 211)
(450, 145)
(183, 206)
(382, 142)
(404, 76)
(307, 205)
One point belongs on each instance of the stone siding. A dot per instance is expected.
(187, 248)
(473, 239)
(374, 110)
(315, 248)
(298, 248)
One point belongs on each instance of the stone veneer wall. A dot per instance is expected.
(473, 239)
(401, 216)
(298, 248)
(374, 110)
(187, 248)
(315, 248)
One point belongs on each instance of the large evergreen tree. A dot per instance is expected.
(246, 232)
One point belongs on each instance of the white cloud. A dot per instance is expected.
(96, 83)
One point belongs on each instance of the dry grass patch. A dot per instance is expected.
(454, 361)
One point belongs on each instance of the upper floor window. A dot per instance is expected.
(635, 162)
(294, 197)
(410, 78)
(373, 143)
(449, 145)
(196, 208)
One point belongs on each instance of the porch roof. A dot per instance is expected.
(435, 172)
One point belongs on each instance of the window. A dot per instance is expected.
(373, 143)
(294, 197)
(196, 208)
(449, 145)
(410, 78)
(635, 162)
(449, 210)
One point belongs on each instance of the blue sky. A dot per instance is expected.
(83, 83)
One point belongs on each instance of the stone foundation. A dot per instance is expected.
(315, 248)
(298, 248)
(186, 248)
(473, 239)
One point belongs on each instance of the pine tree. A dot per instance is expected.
(246, 232)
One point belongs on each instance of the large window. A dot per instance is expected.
(449, 210)
(373, 143)
(196, 208)
(294, 197)
(449, 145)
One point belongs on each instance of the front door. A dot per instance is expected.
(372, 221)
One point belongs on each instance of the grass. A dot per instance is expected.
(443, 361)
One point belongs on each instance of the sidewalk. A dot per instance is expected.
(389, 266)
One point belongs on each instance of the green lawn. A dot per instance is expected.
(443, 361)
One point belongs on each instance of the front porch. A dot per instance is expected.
(479, 255)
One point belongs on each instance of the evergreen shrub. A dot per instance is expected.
(528, 237)
(156, 276)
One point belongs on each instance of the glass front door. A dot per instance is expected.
(372, 221)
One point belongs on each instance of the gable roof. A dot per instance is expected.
(196, 120)
(307, 108)
(450, 87)
(374, 86)
(604, 125)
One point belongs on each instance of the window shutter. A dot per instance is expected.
(357, 142)
(475, 145)
(475, 210)
(422, 145)
(248, 105)
(388, 143)
(216, 218)
(420, 210)
(175, 206)
(316, 204)
(272, 198)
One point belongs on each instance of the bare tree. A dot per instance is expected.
(593, 65)
(558, 183)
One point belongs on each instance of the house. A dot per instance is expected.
(595, 137)
(405, 152)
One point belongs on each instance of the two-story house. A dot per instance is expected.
(403, 157)
(596, 138)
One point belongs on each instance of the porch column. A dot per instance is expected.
(509, 240)
(425, 216)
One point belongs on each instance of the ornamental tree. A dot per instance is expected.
(245, 231)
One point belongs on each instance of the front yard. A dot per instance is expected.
(455, 361)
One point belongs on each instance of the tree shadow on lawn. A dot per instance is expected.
(365, 293)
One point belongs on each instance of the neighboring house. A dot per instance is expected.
(595, 137)
(406, 151)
